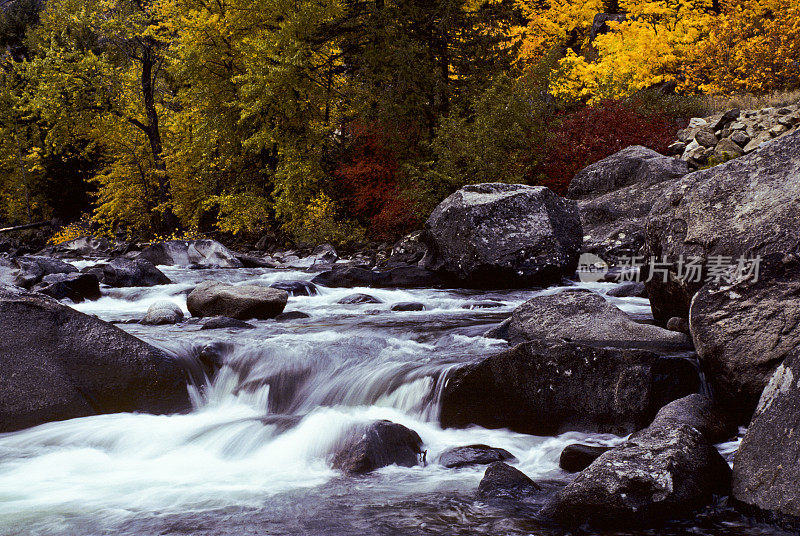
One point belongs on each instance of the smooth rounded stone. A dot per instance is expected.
(681, 325)
(583, 316)
(408, 306)
(701, 412)
(73, 286)
(357, 299)
(32, 269)
(485, 305)
(186, 253)
(744, 332)
(473, 455)
(243, 302)
(379, 444)
(632, 289)
(347, 276)
(727, 149)
(297, 288)
(577, 457)
(660, 473)
(740, 208)
(543, 388)
(224, 322)
(163, 312)
(501, 481)
(291, 315)
(122, 272)
(502, 236)
(706, 137)
(61, 364)
(765, 469)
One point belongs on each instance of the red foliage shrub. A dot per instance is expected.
(368, 182)
(593, 133)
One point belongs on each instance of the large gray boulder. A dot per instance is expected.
(585, 317)
(60, 364)
(186, 253)
(615, 196)
(122, 272)
(766, 469)
(243, 302)
(743, 331)
(503, 235)
(545, 388)
(377, 445)
(747, 207)
(85, 246)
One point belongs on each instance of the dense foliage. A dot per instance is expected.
(346, 120)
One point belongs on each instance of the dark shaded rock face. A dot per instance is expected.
(223, 322)
(503, 235)
(163, 312)
(291, 315)
(360, 276)
(74, 286)
(296, 288)
(745, 207)
(501, 481)
(205, 253)
(33, 269)
(60, 364)
(377, 445)
(356, 299)
(615, 196)
(577, 457)
(766, 471)
(473, 455)
(585, 317)
(700, 412)
(122, 272)
(547, 389)
(659, 473)
(243, 302)
(744, 331)
(408, 306)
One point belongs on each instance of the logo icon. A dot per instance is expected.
(591, 268)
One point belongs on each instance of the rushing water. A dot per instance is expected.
(224, 469)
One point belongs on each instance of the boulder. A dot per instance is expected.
(576, 457)
(743, 331)
(632, 289)
(297, 288)
(660, 473)
(408, 251)
(163, 312)
(186, 253)
(408, 306)
(358, 299)
(585, 317)
(223, 322)
(122, 272)
(681, 325)
(501, 481)
(700, 412)
(243, 302)
(473, 455)
(766, 469)
(74, 286)
(61, 364)
(747, 207)
(727, 149)
(346, 276)
(83, 247)
(291, 315)
(377, 445)
(503, 235)
(545, 388)
(32, 269)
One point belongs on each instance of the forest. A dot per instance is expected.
(347, 120)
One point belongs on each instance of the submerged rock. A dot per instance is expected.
(473, 455)
(575, 458)
(122, 272)
(291, 315)
(377, 445)
(243, 302)
(501, 481)
(408, 306)
(61, 364)
(224, 322)
(355, 299)
(503, 235)
(163, 312)
(187, 253)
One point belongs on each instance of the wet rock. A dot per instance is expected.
(224, 322)
(501, 481)
(473, 455)
(632, 289)
(122, 272)
(488, 304)
(357, 299)
(32, 269)
(73, 286)
(359, 276)
(61, 364)
(583, 316)
(576, 457)
(744, 331)
(700, 412)
(503, 235)
(408, 306)
(660, 473)
(291, 315)
(765, 469)
(243, 302)
(740, 208)
(187, 253)
(377, 445)
(163, 312)
(545, 388)
(297, 288)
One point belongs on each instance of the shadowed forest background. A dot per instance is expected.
(348, 120)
